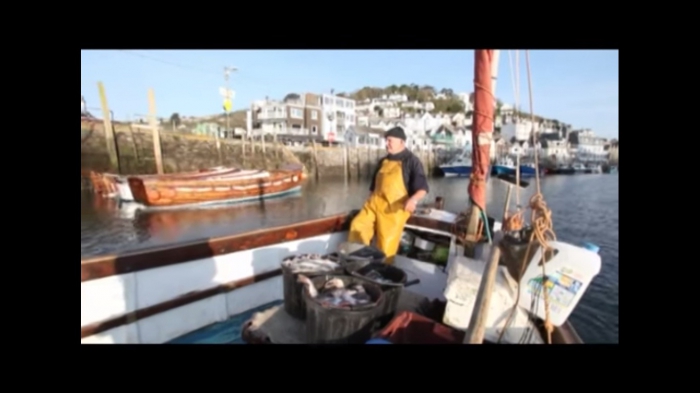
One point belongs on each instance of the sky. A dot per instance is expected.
(579, 87)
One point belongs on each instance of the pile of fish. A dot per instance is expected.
(309, 263)
(377, 277)
(335, 294)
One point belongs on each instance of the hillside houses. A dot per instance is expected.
(337, 119)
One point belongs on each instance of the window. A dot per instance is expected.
(314, 115)
(327, 101)
(339, 129)
(351, 118)
(339, 102)
(297, 113)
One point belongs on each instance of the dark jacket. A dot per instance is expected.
(412, 170)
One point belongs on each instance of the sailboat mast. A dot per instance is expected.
(485, 75)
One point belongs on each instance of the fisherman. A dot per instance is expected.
(398, 185)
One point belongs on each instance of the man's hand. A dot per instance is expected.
(410, 205)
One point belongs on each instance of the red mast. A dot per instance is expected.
(482, 126)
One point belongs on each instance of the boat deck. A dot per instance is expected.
(226, 332)
(273, 322)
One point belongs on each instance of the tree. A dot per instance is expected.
(455, 106)
(449, 105)
(175, 119)
(497, 111)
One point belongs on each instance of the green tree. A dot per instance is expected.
(175, 120)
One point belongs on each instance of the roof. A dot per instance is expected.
(443, 129)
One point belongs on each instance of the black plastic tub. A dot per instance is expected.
(293, 302)
(392, 291)
(360, 258)
(329, 325)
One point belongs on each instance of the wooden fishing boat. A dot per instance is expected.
(111, 185)
(220, 188)
(100, 184)
(179, 292)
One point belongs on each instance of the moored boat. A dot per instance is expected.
(112, 185)
(528, 170)
(503, 166)
(578, 168)
(461, 165)
(564, 170)
(101, 184)
(594, 168)
(237, 186)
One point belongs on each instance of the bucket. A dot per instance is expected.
(330, 325)
(293, 302)
(360, 257)
(392, 291)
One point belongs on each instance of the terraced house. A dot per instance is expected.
(295, 117)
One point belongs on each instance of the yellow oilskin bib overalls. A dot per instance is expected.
(383, 214)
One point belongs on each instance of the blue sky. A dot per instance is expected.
(574, 86)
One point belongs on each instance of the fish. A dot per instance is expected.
(308, 284)
(335, 294)
(309, 263)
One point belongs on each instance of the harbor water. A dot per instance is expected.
(584, 208)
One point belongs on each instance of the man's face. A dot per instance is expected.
(394, 145)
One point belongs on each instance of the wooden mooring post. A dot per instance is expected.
(157, 153)
(346, 170)
(315, 153)
(109, 131)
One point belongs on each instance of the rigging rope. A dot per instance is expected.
(542, 227)
(514, 221)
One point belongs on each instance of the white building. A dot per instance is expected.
(423, 106)
(554, 147)
(338, 115)
(395, 97)
(465, 98)
(423, 123)
(586, 145)
(520, 130)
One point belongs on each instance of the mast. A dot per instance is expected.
(485, 76)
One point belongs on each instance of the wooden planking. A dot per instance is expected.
(108, 265)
